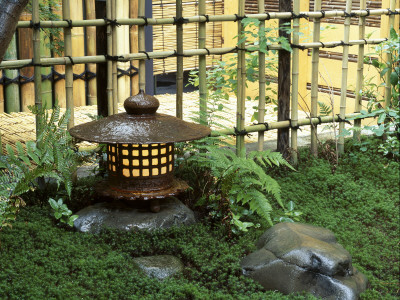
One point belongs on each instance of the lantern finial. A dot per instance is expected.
(141, 104)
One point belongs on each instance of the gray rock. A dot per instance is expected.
(117, 215)
(159, 266)
(294, 257)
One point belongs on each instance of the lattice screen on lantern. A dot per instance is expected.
(140, 160)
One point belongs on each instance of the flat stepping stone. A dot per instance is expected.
(119, 215)
(159, 266)
(295, 257)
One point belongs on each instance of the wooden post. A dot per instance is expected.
(283, 84)
(261, 82)
(241, 84)
(114, 53)
(345, 63)
(110, 99)
(1, 98)
(69, 79)
(12, 89)
(314, 78)
(295, 83)
(78, 49)
(388, 86)
(133, 36)
(142, 46)
(202, 66)
(360, 70)
(101, 49)
(47, 91)
(25, 51)
(36, 60)
(179, 61)
(91, 50)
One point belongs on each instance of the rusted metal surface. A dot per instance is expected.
(133, 128)
(106, 189)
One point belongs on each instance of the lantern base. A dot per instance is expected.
(105, 189)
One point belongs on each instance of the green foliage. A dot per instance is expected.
(51, 156)
(235, 186)
(359, 203)
(61, 212)
(388, 116)
(324, 109)
(222, 77)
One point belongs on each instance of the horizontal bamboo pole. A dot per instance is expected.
(164, 54)
(212, 18)
(284, 124)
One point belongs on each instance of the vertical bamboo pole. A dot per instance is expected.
(261, 81)
(114, 53)
(69, 79)
(314, 78)
(295, 82)
(109, 62)
(91, 50)
(345, 67)
(47, 93)
(202, 66)
(241, 84)
(388, 86)
(142, 47)
(179, 61)
(360, 70)
(25, 51)
(36, 60)
(12, 89)
(1, 99)
(78, 40)
(122, 33)
(59, 85)
(133, 36)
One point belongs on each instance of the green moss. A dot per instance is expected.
(359, 203)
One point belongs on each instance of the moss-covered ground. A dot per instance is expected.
(359, 202)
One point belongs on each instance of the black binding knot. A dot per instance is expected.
(69, 23)
(368, 12)
(207, 18)
(239, 18)
(268, 16)
(293, 127)
(70, 59)
(35, 26)
(322, 45)
(322, 13)
(208, 51)
(180, 20)
(299, 16)
(146, 22)
(241, 132)
(342, 120)
(297, 46)
(145, 52)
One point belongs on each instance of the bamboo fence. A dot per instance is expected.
(202, 21)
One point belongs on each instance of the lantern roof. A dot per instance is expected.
(140, 124)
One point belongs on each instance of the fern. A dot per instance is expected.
(324, 109)
(241, 182)
(50, 156)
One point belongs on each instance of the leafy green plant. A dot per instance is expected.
(51, 156)
(235, 186)
(61, 212)
(388, 116)
(290, 214)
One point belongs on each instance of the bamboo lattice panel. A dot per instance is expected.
(164, 36)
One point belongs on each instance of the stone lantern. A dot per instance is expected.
(140, 150)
